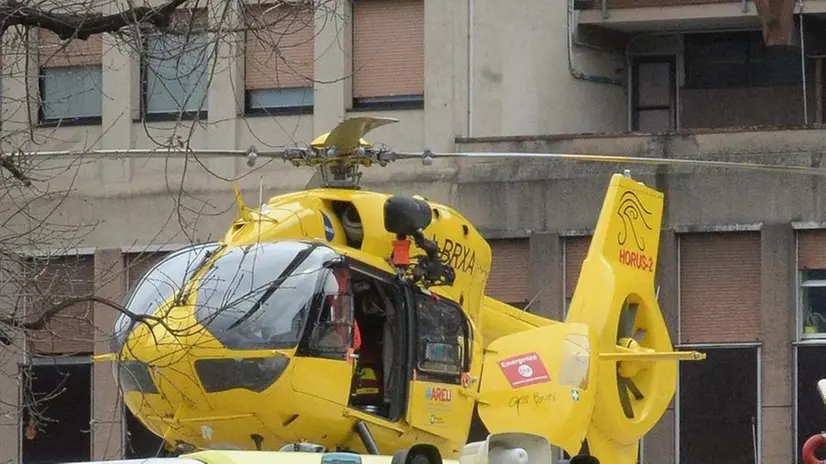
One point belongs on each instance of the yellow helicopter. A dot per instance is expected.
(336, 318)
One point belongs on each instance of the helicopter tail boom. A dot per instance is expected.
(500, 319)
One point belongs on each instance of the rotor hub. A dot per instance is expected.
(629, 369)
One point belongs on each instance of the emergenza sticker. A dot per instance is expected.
(524, 369)
(329, 232)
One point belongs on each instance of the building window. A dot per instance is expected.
(50, 281)
(71, 80)
(813, 303)
(654, 94)
(509, 276)
(279, 59)
(809, 408)
(576, 250)
(140, 443)
(719, 291)
(738, 59)
(175, 69)
(563, 455)
(57, 411)
(718, 406)
(388, 54)
(811, 275)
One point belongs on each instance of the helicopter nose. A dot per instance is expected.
(157, 360)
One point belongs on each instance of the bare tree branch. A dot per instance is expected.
(68, 26)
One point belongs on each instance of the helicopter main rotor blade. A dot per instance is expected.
(159, 152)
(346, 136)
(616, 159)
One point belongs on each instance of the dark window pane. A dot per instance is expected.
(738, 59)
(718, 407)
(653, 84)
(811, 413)
(58, 429)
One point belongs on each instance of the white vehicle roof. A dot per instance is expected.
(254, 457)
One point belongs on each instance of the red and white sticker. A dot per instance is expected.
(524, 369)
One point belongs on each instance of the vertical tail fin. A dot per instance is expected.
(615, 296)
(607, 374)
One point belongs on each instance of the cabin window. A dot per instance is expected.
(442, 334)
(333, 328)
(159, 284)
(259, 296)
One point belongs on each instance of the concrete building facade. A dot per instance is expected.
(742, 257)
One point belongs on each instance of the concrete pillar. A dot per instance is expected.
(225, 95)
(668, 281)
(545, 266)
(11, 357)
(776, 329)
(107, 429)
(333, 86)
(19, 92)
(445, 85)
(659, 445)
(121, 97)
(120, 67)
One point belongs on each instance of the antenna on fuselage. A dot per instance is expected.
(261, 190)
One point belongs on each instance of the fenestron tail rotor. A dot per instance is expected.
(626, 336)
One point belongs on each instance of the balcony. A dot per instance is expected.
(708, 80)
(648, 15)
(666, 15)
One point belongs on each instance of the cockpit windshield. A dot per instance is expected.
(259, 296)
(159, 283)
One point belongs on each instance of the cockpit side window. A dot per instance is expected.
(159, 283)
(332, 330)
(442, 336)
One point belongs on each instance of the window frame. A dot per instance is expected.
(43, 121)
(802, 284)
(467, 332)
(752, 74)
(636, 108)
(293, 110)
(384, 102)
(388, 103)
(184, 115)
(80, 359)
(314, 323)
(795, 387)
(757, 349)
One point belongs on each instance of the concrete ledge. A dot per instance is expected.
(808, 225)
(577, 233)
(495, 234)
(710, 228)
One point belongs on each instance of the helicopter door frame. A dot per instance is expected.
(403, 349)
(435, 403)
